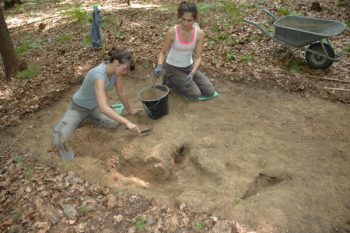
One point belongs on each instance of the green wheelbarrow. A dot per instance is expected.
(306, 33)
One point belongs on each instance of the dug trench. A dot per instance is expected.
(274, 161)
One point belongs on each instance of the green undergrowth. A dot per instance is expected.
(347, 22)
(295, 66)
(26, 45)
(28, 73)
(63, 39)
(77, 13)
(87, 41)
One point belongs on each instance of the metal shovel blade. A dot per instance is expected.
(66, 155)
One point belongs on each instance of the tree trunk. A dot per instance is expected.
(7, 51)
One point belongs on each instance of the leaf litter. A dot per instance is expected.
(51, 201)
(37, 197)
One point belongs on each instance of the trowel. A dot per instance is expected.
(66, 155)
(145, 131)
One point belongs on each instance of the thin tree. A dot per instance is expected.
(7, 51)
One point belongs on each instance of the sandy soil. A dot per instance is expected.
(276, 162)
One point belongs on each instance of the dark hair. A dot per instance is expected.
(123, 56)
(187, 7)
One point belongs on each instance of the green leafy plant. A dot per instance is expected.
(78, 14)
(18, 159)
(107, 21)
(16, 216)
(296, 13)
(29, 14)
(236, 201)
(204, 7)
(253, 39)
(253, 5)
(87, 41)
(347, 22)
(36, 44)
(63, 39)
(120, 190)
(29, 173)
(230, 56)
(246, 58)
(223, 36)
(146, 65)
(30, 72)
(213, 44)
(233, 11)
(295, 66)
(18, 8)
(197, 226)
(26, 45)
(140, 223)
(85, 210)
(283, 11)
(118, 34)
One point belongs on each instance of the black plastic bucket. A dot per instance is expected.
(155, 105)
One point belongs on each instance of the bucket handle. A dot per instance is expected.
(147, 110)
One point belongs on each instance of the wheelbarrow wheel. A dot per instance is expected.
(317, 61)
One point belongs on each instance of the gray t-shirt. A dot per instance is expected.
(86, 97)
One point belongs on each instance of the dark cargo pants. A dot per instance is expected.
(177, 79)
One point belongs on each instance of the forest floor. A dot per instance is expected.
(271, 152)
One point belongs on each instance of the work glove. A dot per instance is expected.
(189, 79)
(158, 70)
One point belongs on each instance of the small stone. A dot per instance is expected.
(28, 189)
(132, 230)
(69, 210)
(182, 206)
(112, 201)
(107, 230)
(80, 227)
(215, 219)
(71, 222)
(78, 180)
(118, 218)
(223, 226)
(94, 225)
(150, 220)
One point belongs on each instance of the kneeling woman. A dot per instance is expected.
(181, 74)
(90, 101)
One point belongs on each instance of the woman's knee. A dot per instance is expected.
(108, 123)
(192, 93)
(57, 138)
(57, 142)
(209, 91)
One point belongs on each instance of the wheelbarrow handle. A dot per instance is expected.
(270, 14)
(260, 27)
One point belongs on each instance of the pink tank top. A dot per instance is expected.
(180, 54)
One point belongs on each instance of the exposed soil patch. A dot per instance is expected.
(261, 183)
(210, 154)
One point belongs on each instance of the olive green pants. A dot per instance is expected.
(73, 118)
